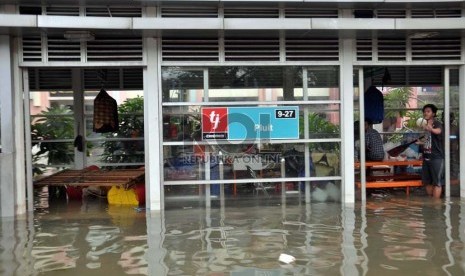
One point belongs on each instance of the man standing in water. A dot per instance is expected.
(433, 152)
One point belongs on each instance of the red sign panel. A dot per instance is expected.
(215, 120)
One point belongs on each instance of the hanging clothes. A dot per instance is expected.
(105, 113)
(374, 105)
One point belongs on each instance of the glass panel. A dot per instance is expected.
(255, 84)
(127, 144)
(116, 152)
(323, 83)
(325, 191)
(50, 157)
(181, 85)
(181, 123)
(187, 162)
(52, 121)
(323, 121)
(325, 159)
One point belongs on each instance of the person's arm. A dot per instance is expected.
(431, 128)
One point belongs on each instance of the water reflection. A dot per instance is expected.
(385, 237)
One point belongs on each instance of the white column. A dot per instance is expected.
(347, 118)
(152, 122)
(462, 128)
(446, 118)
(20, 177)
(7, 179)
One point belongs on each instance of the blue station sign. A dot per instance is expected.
(249, 123)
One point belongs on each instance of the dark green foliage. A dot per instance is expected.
(56, 123)
(131, 125)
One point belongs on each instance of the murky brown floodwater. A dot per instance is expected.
(392, 236)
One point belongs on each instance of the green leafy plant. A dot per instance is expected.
(320, 127)
(131, 125)
(56, 123)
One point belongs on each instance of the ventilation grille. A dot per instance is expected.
(407, 76)
(115, 49)
(312, 49)
(427, 13)
(311, 13)
(250, 13)
(390, 13)
(114, 11)
(49, 79)
(116, 79)
(426, 75)
(239, 49)
(391, 49)
(176, 49)
(66, 11)
(364, 49)
(60, 49)
(436, 49)
(32, 48)
(210, 12)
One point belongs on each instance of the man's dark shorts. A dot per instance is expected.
(433, 172)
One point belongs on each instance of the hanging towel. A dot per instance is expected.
(105, 113)
(374, 105)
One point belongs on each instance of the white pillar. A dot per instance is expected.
(462, 128)
(20, 176)
(152, 122)
(347, 118)
(7, 161)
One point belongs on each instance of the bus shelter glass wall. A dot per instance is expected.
(403, 103)
(52, 131)
(123, 148)
(314, 152)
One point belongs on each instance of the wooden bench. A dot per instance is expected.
(84, 178)
(391, 180)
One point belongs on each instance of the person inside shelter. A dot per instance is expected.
(374, 149)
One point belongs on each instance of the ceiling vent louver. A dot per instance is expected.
(116, 79)
(310, 13)
(179, 49)
(436, 49)
(312, 49)
(133, 78)
(114, 11)
(115, 49)
(32, 48)
(65, 11)
(448, 13)
(391, 49)
(438, 13)
(191, 12)
(251, 13)
(390, 13)
(60, 49)
(425, 75)
(241, 49)
(364, 49)
(49, 79)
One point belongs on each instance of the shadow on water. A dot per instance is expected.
(391, 236)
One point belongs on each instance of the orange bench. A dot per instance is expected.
(392, 180)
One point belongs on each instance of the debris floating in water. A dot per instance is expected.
(285, 258)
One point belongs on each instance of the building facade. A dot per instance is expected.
(304, 64)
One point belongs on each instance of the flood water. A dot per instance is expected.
(396, 235)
